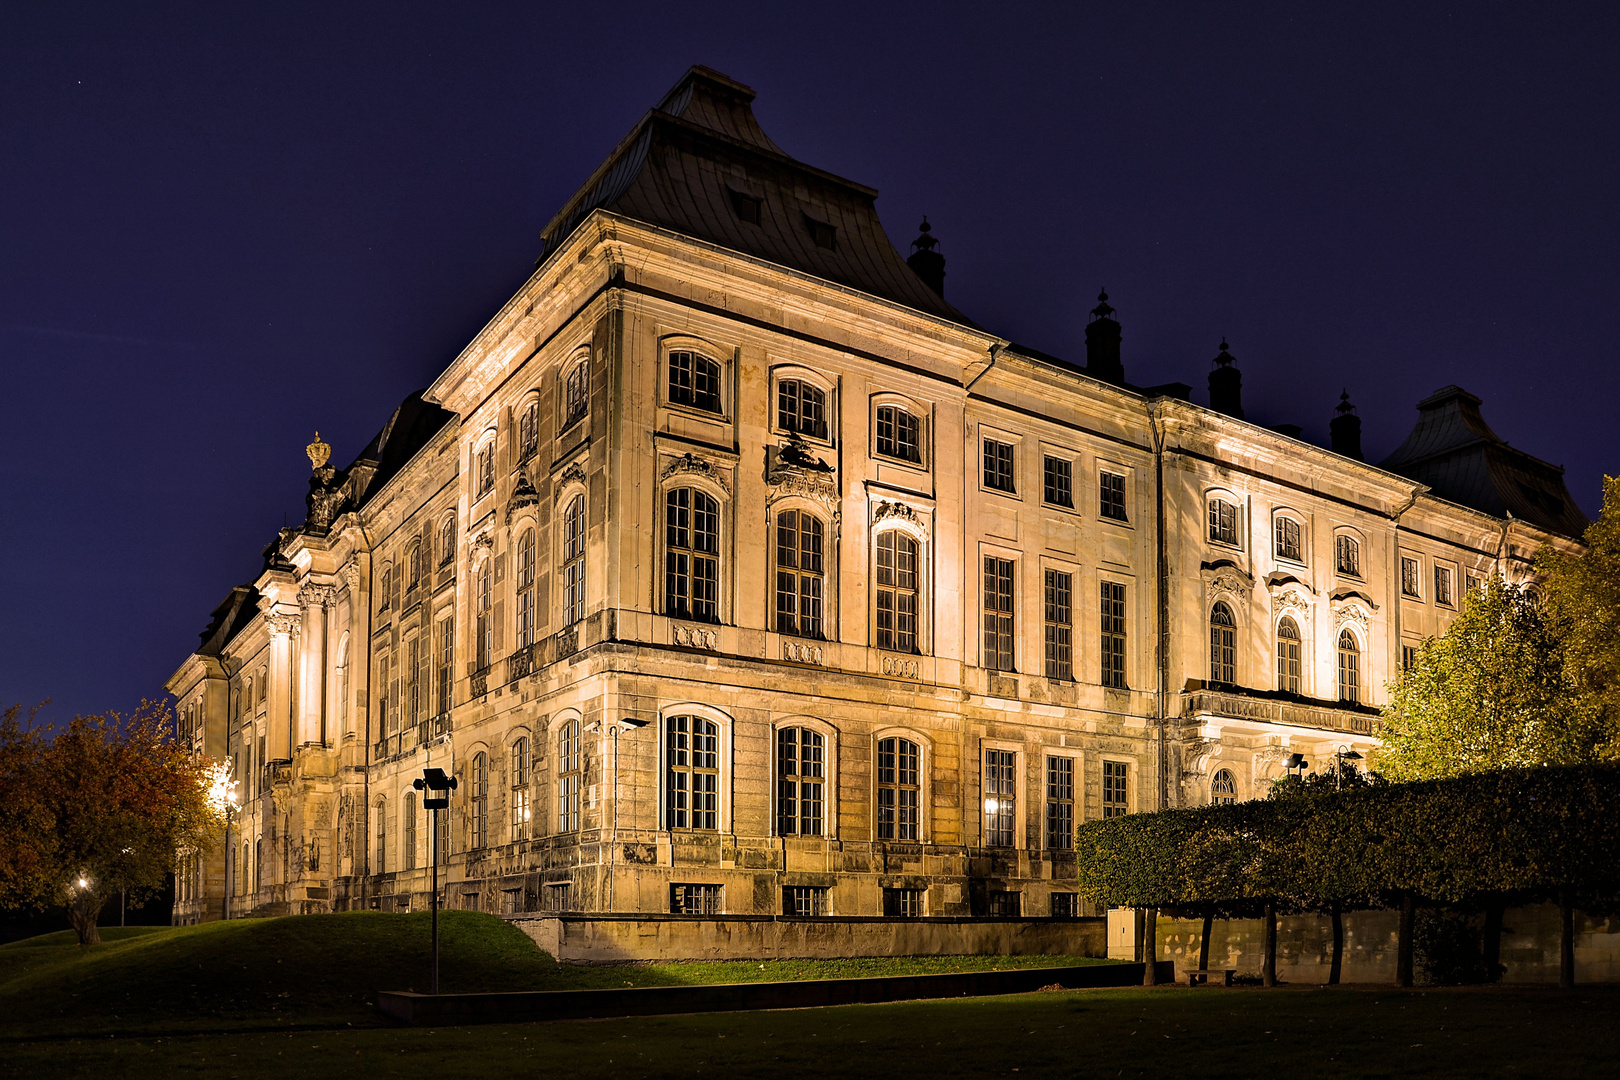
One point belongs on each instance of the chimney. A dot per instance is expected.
(1344, 430)
(1226, 385)
(926, 261)
(1102, 343)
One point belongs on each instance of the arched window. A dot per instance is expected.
(1347, 555)
(485, 645)
(896, 591)
(692, 562)
(380, 863)
(385, 588)
(577, 394)
(692, 784)
(478, 790)
(520, 790)
(484, 469)
(264, 683)
(569, 776)
(1222, 645)
(694, 380)
(1290, 542)
(1288, 666)
(574, 560)
(898, 789)
(343, 681)
(1223, 522)
(447, 542)
(800, 776)
(1349, 669)
(525, 589)
(1223, 789)
(798, 573)
(529, 429)
(414, 562)
(899, 434)
(801, 407)
(407, 844)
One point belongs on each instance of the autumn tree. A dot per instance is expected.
(1496, 691)
(1581, 601)
(98, 807)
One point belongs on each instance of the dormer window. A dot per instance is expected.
(748, 207)
(824, 234)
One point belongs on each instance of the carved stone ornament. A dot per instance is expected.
(523, 494)
(694, 637)
(1228, 583)
(573, 474)
(319, 453)
(312, 594)
(792, 471)
(1350, 615)
(350, 573)
(1290, 602)
(900, 511)
(1266, 762)
(484, 540)
(281, 622)
(691, 463)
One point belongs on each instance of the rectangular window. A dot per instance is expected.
(692, 562)
(577, 393)
(896, 591)
(1057, 481)
(1223, 524)
(441, 836)
(1116, 789)
(806, 900)
(696, 899)
(1472, 583)
(1442, 586)
(1408, 657)
(1059, 625)
(1347, 555)
(746, 206)
(694, 380)
(801, 407)
(1004, 904)
(1065, 905)
(1411, 577)
(1059, 803)
(798, 573)
(903, 903)
(1113, 635)
(1289, 542)
(407, 813)
(1111, 487)
(899, 434)
(413, 685)
(486, 469)
(998, 465)
(1000, 800)
(520, 814)
(998, 613)
(447, 664)
(692, 750)
(559, 896)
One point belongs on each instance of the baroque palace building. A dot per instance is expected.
(732, 569)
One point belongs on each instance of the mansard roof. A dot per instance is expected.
(1454, 451)
(411, 427)
(230, 618)
(700, 153)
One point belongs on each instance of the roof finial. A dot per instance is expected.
(319, 453)
(1102, 310)
(925, 260)
(1225, 358)
(1344, 403)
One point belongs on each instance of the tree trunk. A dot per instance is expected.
(1338, 945)
(83, 912)
(1268, 967)
(1566, 940)
(1150, 947)
(1203, 939)
(1492, 947)
(1403, 952)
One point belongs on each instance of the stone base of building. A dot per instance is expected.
(606, 939)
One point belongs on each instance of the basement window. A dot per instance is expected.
(806, 900)
(695, 899)
(1065, 905)
(903, 903)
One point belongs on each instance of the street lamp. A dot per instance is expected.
(1297, 761)
(1340, 756)
(436, 788)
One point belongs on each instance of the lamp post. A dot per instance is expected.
(1340, 756)
(435, 787)
(1297, 761)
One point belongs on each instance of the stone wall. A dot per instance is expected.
(611, 938)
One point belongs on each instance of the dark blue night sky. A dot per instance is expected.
(223, 227)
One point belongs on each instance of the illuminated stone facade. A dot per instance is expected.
(745, 574)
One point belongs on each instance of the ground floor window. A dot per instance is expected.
(1004, 904)
(806, 900)
(1065, 905)
(903, 903)
(559, 896)
(696, 899)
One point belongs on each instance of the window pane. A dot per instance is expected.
(1057, 481)
(1112, 488)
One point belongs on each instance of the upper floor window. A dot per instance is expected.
(692, 773)
(385, 589)
(1059, 625)
(1222, 645)
(823, 233)
(1112, 489)
(447, 664)
(529, 429)
(1223, 789)
(414, 563)
(694, 380)
(1411, 577)
(1349, 668)
(1347, 555)
(801, 407)
(896, 591)
(484, 647)
(800, 776)
(380, 863)
(447, 543)
(1057, 481)
(569, 776)
(1112, 646)
(1288, 665)
(1290, 543)
(998, 613)
(484, 470)
(574, 561)
(525, 590)
(1442, 586)
(1116, 791)
(520, 790)
(1223, 522)
(998, 465)
(692, 560)
(478, 792)
(798, 574)
(577, 394)
(747, 206)
(1471, 584)
(899, 434)
(898, 789)
(407, 816)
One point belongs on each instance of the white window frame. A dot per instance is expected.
(724, 724)
(829, 770)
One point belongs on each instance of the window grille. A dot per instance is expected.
(696, 899)
(998, 465)
(998, 613)
(559, 896)
(801, 408)
(896, 591)
(385, 589)
(806, 900)
(380, 863)
(1065, 905)
(1290, 544)
(485, 645)
(799, 579)
(1004, 904)
(694, 380)
(1059, 625)
(692, 755)
(1222, 646)
(413, 683)
(692, 562)
(1057, 481)
(1471, 584)
(1349, 669)
(447, 664)
(1347, 555)
(1223, 527)
(1116, 789)
(574, 561)
(1409, 655)
(1223, 789)
(899, 434)
(800, 776)
(569, 777)
(1059, 803)
(1288, 665)
(898, 789)
(903, 903)
(447, 543)
(486, 468)
(1000, 798)
(1112, 651)
(1112, 489)
(520, 790)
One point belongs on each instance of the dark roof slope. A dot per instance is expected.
(1454, 451)
(700, 152)
(413, 424)
(229, 619)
